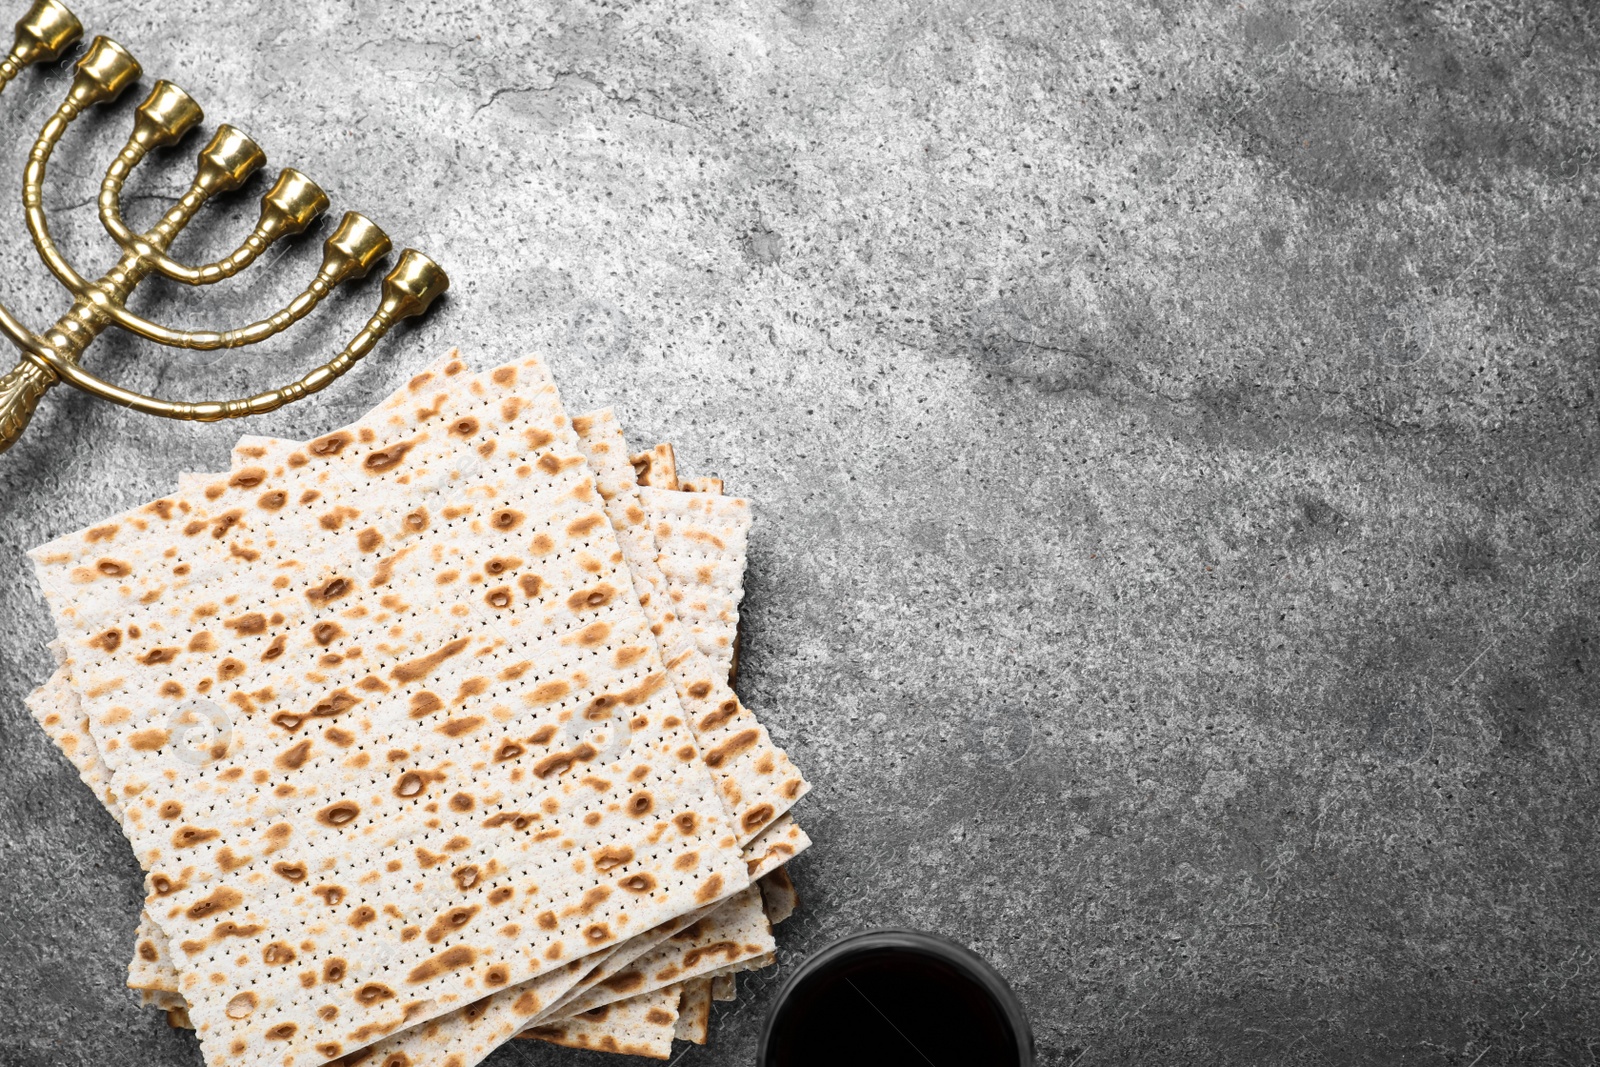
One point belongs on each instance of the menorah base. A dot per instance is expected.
(20, 391)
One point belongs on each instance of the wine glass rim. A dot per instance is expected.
(919, 942)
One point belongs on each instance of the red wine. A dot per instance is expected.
(896, 998)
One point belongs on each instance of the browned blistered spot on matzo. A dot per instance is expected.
(450, 959)
(108, 640)
(466, 877)
(273, 500)
(593, 597)
(448, 922)
(147, 951)
(225, 522)
(547, 692)
(373, 992)
(217, 900)
(171, 809)
(248, 478)
(594, 635)
(709, 890)
(506, 519)
(699, 689)
(411, 784)
(791, 788)
(229, 861)
(387, 459)
(687, 822)
(597, 932)
(230, 668)
(334, 970)
(338, 813)
(558, 762)
(500, 564)
(739, 742)
(189, 836)
(461, 725)
(241, 1006)
(465, 426)
(543, 734)
(165, 886)
(336, 518)
(626, 982)
(288, 720)
(425, 703)
(148, 740)
(335, 703)
(329, 591)
(549, 463)
(499, 597)
(415, 669)
(580, 527)
(638, 883)
(327, 632)
(113, 568)
(363, 916)
(757, 816)
(293, 872)
(252, 622)
(640, 803)
(342, 738)
(611, 857)
(295, 756)
(331, 445)
(275, 649)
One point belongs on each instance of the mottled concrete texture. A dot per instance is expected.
(1173, 434)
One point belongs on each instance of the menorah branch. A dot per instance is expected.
(408, 290)
(289, 207)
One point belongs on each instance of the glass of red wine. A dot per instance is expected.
(896, 997)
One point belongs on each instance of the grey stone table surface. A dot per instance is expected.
(1172, 431)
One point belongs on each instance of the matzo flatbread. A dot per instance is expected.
(59, 712)
(778, 895)
(229, 841)
(657, 466)
(779, 843)
(701, 540)
(694, 1011)
(638, 1026)
(757, 779)
(737, 932)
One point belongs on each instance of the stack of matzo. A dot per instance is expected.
(424, 734)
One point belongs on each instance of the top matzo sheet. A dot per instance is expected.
(452, 758)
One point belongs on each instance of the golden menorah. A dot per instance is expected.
(289, 207)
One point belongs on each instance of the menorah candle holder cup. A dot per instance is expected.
(228, 160)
